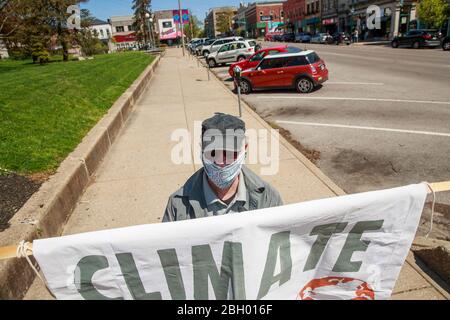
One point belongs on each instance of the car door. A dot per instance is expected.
(289, 70)
(243, 50)
(232, 53)
(269, 74)
(222, 53)
(408, 39)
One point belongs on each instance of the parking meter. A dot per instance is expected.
(237, 72)
(237, 79)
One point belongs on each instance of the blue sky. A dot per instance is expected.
(103, 9)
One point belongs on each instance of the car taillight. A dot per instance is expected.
(250, 49)
(427, 36)
(313, 69)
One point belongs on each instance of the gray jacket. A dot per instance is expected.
(189, 201)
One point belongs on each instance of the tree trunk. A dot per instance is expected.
(65, 49)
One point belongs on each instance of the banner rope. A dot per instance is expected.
(22, 252)
(432, 208)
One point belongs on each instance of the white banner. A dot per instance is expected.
(350, 247)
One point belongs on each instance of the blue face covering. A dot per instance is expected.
(223, 177)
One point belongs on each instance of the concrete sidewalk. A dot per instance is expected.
(137, 176)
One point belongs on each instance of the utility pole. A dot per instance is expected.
(191, 24)
(181, 25)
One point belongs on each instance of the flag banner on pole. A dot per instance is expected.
(349, 247)
(184, 18)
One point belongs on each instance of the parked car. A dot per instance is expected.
(232, 52)
(340, 37)
(278, 37)
(199, 47)
(194, 43)
(255, 59)
(320, 38)
(271, 36)
(303, 37)
(417, 39)
(303, 71)
(446, 43)
(206, 50)
(288, 37)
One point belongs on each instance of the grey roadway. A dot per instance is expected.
(372, 89)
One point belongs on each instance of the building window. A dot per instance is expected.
(108, 33)
(130, 28)
(102, 33)
(282, 14)
(120, 29)
(260, 13)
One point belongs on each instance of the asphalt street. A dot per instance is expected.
(382, 120)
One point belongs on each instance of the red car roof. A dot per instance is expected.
(274, 48)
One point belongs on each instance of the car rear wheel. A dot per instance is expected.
(394, 44)
(304, 85)
(245, 86)
(212, 63)
(416, 45)
(446, 46)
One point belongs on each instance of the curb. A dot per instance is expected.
(45, 214)
(305, 161)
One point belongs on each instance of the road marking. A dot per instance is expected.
(429, 133)
(357, 83)
(352, 99)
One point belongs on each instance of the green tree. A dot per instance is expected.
(192, 29)
(225, 21)
(433, 12)
(27, 33)
(11, 12)
(56, 11)
(36, 25)
(141, 9)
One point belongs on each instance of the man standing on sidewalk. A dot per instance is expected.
(224, 185)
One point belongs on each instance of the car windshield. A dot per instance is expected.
(258, 56)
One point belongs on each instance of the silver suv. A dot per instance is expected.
(232, 52)
(206, 50)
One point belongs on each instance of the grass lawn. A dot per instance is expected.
(45, 111)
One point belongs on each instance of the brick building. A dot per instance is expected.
(262, 17)
(294, 12)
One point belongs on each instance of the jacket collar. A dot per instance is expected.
(193, 188)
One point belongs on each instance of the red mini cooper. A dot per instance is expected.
(303, 71)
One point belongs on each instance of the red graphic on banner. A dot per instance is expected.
(326, 288)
